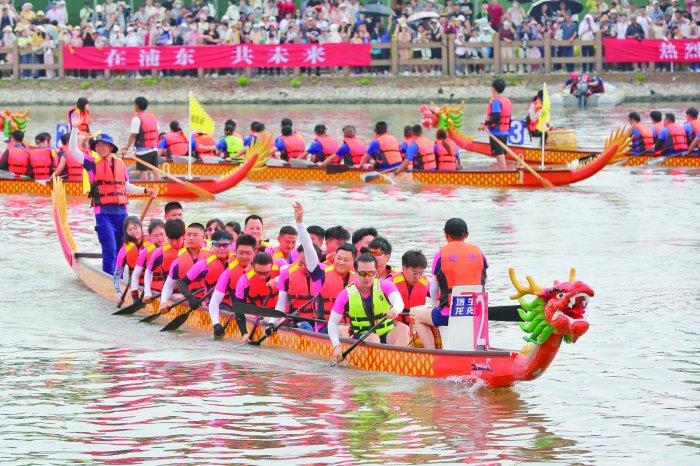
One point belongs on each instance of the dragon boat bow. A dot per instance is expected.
(556, 314)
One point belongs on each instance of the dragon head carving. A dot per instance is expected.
(448, 117)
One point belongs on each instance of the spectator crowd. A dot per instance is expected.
(37, 33)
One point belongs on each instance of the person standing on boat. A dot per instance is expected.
(456, 264)
(143, 137)
(109, 185)
(498, 115)
(672, 138)
(642, 135)
(420, 153)
(367, 302)
(225, 288)
(384, 149)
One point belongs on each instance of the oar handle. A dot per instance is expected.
(145, 209)
(363, 337)
(284, 319)
(545, 182)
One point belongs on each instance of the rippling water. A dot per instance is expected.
(80, 385)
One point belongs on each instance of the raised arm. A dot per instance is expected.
(312, 262)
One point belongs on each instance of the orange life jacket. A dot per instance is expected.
(160, 273)
(185, 261)
(532, 124)
(332, 286)
(299, 290)
(236, 271)
(330, 146)
(645, 140)
(678, 139)
(215, 267)
(357, 149)
(84, 126)
(148, 131)
(177, 143)
(293, 146)
(132, 253)
(447, 159)
(416, 296)
(150, 248)
(73, 167)
(258, 292)
(109, 185)
(462, 264)
(17, 159)
(202, 141)
(506, 112)
(389, 149)
(425, 159)
(41, 159)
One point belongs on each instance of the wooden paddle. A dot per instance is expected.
(661, 159)
(546, 183)
(373, 175)
(177, 322)
(360, 340)
(277, 327)
(145, 209)
(135, 307)
(200, 192)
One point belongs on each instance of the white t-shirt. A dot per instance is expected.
(135, 127)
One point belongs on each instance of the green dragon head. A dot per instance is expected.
(447, 118)
(559, 309)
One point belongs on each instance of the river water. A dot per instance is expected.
(78, 385)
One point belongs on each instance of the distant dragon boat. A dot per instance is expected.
(554, 315)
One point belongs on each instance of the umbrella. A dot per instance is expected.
(376, 9)
(422, 15)
(536, 9)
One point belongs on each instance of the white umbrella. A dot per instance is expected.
(422, 15)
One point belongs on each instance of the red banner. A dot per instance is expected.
(651, 51)
(217, 56)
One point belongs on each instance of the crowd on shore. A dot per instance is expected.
(37, 32)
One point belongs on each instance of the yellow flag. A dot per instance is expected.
(200, 122)
(544, 114)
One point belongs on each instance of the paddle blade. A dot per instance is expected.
(137, 306)
(369, 177)
(177, 322)
(251, 309)
(151, 318)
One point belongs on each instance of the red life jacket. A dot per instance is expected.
(236, 271)
(357, 149)
(447, 160)
(695, 126)
(677, 140)
(416, 296)
(202, 141)
(109, 185)
(73, 168)
(425, 159)
(148, 131)
(293, 146)
(332, 286)
(150, 248)
(506, 112)
(645, 140)
(532, 124)
(299, 290)
(329, 146)
(185, 261)
(84, 119)
(41, 159)
(258, 291)
(215, 267)
(389, 149)
(160, 273)
(177, 143)
(17, 159)
(462, 264)
(132, 253)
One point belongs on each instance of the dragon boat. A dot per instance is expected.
(554, 315)
(215, 184)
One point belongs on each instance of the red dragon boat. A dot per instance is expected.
(556, 314)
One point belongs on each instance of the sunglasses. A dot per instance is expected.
(212, 229)
(376, 252)
(221, 245)
(366, 274)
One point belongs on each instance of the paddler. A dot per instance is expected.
(323, 146)
(533, 115)
(362, 237)
(207, 271)
(642, 135)
(351, 150)
(290, 145)
(335, 237)
(203, 145)
(42, 157)
(367, 302)
(134, 242)
(257, 286)
(381, 249)
(173, 142)
(692, 124)
(284, 253)
(420, 154)
(318, 235)
(109, 185)
(231, 143)
(657, 123)
(446, 152)
(384, 150)
(456, 264)
(253, 226)
(498, 115)
(156, 238)
(160, 260)
(408, 139)
(225, 288)
(255, 128)
(16, 156)
(67, 163)
(172, 211)
(193, 251)
(672, 138)
(411, 281)
(81, 108)
(143, 137)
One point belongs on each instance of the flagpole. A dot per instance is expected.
(543, 133)
(189, 139)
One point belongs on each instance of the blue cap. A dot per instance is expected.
(103, 138)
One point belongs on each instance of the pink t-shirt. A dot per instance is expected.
(156, 259)
(121, 257)
(341, 302)
(141, 258)
(241, 286)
